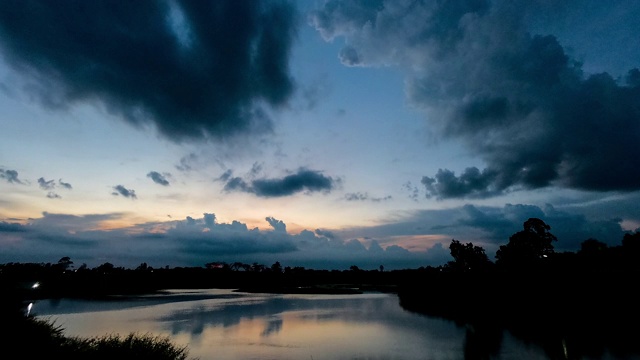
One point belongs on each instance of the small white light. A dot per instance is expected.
(35, 286)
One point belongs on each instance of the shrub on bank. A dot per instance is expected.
(31, 338)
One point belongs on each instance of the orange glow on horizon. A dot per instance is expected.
(414, 243)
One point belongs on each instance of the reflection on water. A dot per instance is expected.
(221, 324)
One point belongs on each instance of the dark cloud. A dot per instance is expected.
(277, 225)
(65, 184)
(7, 227)
(516, 98)
(121, 190)
(50, 185)
(194, 70)
(10, 175)
(570, 228)
(491, 226)
(325, 233)
(159, 178)
(46, 184)
(225, 176)
(349, 56)
(471, 183)
(226, 239)
(196, 241)
(53, 195)
(237, 184)
(302, 180)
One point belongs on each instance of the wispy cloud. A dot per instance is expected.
(53, 195)
(65, 184)
(186, 162)
(358, 196)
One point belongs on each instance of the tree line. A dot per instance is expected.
(574, 303)
(529, 251)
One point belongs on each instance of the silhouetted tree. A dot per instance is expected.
(237, 266)
(528, 247)
(65, 262)
(592, 247)
(143, 267)
(105, 268)
(255, 267)
(276, 267)
(467, 257)
(631, 242)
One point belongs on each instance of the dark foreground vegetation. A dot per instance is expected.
(22, 336)
(582, 305)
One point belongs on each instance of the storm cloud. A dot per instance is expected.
(516, 98)
(277, 225)
(302, 180)
(195, 242)
(471, 183)
(491, 226)
(194, 70)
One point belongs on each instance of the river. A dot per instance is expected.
(222, 324)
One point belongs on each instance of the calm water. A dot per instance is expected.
(222, 324)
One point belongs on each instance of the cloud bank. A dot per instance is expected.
(194, 70)
(516, 98)
(195, 242)
(406, 240)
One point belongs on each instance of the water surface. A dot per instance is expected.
(222, 324)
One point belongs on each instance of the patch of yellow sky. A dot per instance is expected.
(415, 243)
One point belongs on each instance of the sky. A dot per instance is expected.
(321, 134)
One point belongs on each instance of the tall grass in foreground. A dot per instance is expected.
(132, 346)
(26, 337)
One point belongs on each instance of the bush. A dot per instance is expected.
(133, 346)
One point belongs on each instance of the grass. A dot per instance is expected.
(132, 346)
(30, 338)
